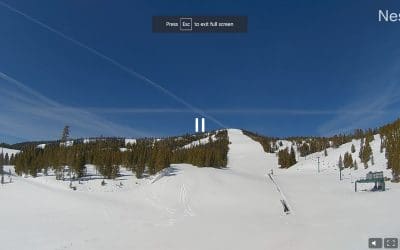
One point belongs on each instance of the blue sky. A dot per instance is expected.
(303, 68)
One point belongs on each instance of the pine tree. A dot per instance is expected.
(106, 156)
(391, 134)
(79, 164)
(152, 161)
(6, 159)
(340, 162)
(347, 160)
(286, 159)
(65, 134)
(162, 157)
(2, 168)
(365, 153)
(353, 148)
(292, 157)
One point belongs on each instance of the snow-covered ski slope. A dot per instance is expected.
(330, 162)
(202, 141)
(185, 207)
(8, 151)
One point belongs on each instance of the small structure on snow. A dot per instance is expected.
(373, 177)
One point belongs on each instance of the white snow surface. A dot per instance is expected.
(201, 141)
(185, 207)
(130, 141)
(8, 151)
(67, 143)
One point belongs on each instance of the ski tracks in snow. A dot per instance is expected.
(183, 198)
(157, 203)
(175, 213)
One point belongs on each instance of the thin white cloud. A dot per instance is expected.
(114, 62)
(27, 114)
(378, 104)
(233, 111)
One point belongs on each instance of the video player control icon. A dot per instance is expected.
(391, 242)
(375, 243)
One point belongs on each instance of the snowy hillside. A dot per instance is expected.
(200, 142)
(130, 141)
(330, 162)
(8, 151)
(184, 207)
(282, 144)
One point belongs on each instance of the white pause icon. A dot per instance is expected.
(203, 125)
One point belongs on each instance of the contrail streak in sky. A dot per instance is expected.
(115, 63)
